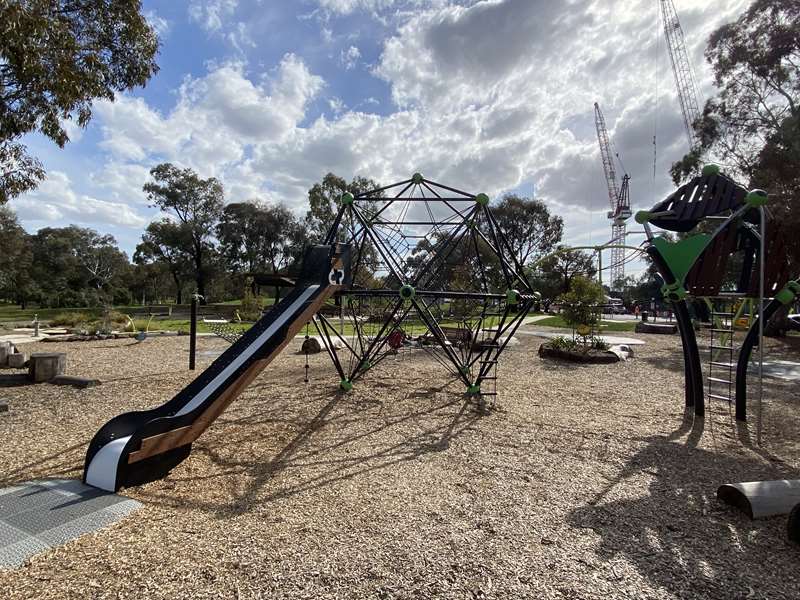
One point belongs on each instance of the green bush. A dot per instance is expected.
(600, 344)
(70, 319)
(250, 309)
(561, 342)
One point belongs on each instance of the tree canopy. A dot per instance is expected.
(528, 226)
(196, 204)
(56, 58)
(752, 124)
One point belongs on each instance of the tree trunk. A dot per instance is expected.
(178, 289)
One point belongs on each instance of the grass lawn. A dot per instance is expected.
(606, 326)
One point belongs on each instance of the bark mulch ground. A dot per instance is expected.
(584, 481)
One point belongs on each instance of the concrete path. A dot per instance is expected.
(779, 369)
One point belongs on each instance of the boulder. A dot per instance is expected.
(74, 381)
(5, 350)
(315, 344)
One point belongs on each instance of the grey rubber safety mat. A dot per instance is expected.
(38, 515)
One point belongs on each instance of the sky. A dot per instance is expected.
(491, 96)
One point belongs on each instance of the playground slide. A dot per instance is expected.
(142, 446)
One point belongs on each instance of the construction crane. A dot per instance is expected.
(681, 67)
(619, 199)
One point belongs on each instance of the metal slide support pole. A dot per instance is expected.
(193, 333)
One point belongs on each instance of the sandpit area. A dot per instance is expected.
(584, 481)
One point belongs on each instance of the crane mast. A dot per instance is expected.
(681, 68)
(618, 198)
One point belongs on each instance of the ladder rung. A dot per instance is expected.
(720, 380)
(715, 347)
(722, 330)
(488, 393)
(489, 378)
(718, 314)
(719, 397)
(727, 365)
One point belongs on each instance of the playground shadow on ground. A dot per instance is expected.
(679, 536)
(333, 446)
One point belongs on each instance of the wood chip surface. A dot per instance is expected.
(583, 481)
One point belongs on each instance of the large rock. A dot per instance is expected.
(315, 344)
(45, 366)
(5, 350)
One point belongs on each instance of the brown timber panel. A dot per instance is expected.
(162, 442)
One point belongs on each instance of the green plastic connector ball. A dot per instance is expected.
(537, 296)
(346, 385)
(756, 198)
(474, 389)
(347, 199)
(642, 216)
(482, 199)
(512, 297)
(711, 169)
(789, 292)
(407, 292)
(417, 178)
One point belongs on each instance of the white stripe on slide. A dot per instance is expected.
(102, 471)
(237, 362)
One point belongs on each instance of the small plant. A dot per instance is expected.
(250, 309)
(600, 344)
(580, 308)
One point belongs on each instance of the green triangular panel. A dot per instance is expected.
(680, 256)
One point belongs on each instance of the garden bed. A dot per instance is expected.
(589, 355)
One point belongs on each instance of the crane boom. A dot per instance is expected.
(681, 68)
(605, 156)
(619, 199)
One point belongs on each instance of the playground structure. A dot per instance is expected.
(719, 219)
(419, 269)
(432, 270)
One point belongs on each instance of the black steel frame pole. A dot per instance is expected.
(193, 333)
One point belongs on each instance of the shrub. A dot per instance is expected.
(561, 342)
(250, 310)
(600, 344)
(70, 319)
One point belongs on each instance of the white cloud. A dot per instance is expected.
(159, 24)
(55, 200)
(348, 6)
(211, 14)
(488, 95)
(215, 117)
(349, 58)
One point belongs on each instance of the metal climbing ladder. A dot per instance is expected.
(720, 384)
